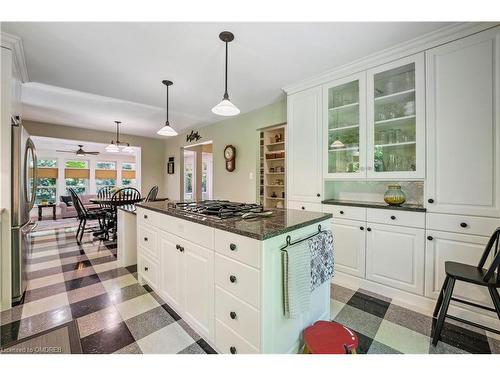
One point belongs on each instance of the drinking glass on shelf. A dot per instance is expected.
(383, 137)
(391, 136)
(398, 135)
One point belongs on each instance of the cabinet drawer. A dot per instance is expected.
(481, 226)
(147, 238)
(396, 217)
(226, 340)
(345, 212)
(238, 315)
(306, 206)
(148, 270)
(239, 279)
(243, 249)
(149, 217)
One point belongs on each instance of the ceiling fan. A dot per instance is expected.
(81, 152)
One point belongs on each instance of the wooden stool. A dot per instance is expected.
(325, 337)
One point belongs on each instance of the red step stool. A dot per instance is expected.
(325, 337)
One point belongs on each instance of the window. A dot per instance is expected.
(76, 175)
(46, 189)
(128, 174)
(105, 174)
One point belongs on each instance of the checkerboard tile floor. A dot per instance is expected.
(115, 314)
(385, 327)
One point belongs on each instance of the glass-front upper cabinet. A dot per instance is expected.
(395, 119)
(345, 127)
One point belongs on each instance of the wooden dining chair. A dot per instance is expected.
(84, 215)
(105, 192)
(128, 195)
(153, 193)
(478, 275)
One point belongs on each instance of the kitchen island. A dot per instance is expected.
(224, 276)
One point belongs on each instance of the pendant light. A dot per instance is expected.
(225, 107)
(167, 130)
(115, 146)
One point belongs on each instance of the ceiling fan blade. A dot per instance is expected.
(91, 152)
(71, 152)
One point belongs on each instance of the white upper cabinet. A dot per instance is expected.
(463, 136)
(304, 179)
(374, 123)
(344, 117)
(396, 119)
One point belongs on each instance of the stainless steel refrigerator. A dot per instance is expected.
(24, 175)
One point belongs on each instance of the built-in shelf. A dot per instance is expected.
(397, 144)
(345, 106)
(280, 186)
(394, 119)
(396, 94)
(276, 143)
(344, 149)
(343, 128)
(275, 172)
(275, 199)
(275, 159)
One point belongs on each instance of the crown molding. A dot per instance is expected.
(15, 44)
(433, 39)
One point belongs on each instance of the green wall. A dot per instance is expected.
(241, 132)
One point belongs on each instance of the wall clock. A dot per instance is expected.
(230, 156)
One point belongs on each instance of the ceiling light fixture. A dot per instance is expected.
(167, 130)
(225, 107)
(115, 146)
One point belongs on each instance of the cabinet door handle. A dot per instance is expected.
(463, 225)
(145, 216)
(341, 212)
(145, 239)
(232, 314)
(146, 269)
(232, 349)
(177, 246)
(181, 249)
(430, 238)
(362, 228)
(232, 247)
(430, 200)
(303, 207)
(393, 217)
(369, 229)
(232, 278)
(318, 195)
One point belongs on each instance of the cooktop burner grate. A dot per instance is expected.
(219, 208)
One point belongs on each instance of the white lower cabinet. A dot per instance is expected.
(304, 206)
(456, 247)
(349, 245)
(171, 267)
(395, 256)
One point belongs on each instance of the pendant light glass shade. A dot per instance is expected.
(128, 149)
(337, 144)
(167, 130)
(225, 108)
(112, 148)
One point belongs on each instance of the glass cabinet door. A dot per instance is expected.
(345, 122)
(395, 120)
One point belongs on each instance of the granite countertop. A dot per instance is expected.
(403, 207)
(260, 228)
(130, 208)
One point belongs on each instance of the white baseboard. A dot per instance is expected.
(421, 304)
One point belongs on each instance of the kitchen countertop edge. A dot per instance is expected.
(383, 206)
(220, 225)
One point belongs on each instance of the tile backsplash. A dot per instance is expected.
(373, 191)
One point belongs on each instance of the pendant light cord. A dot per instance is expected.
(226, 96)
(167, 107)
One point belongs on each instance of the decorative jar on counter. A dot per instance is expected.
(394, 196)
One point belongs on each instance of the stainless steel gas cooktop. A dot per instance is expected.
(223, 209)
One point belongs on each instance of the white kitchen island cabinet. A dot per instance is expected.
(228, 286)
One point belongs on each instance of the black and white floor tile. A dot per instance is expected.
(83, 288)
(385, 327)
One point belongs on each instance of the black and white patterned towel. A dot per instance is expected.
(322, 258)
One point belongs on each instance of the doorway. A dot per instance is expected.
(197, 172)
